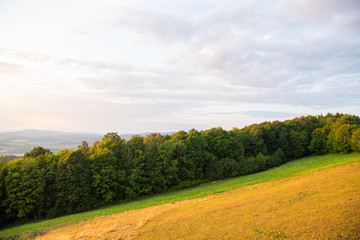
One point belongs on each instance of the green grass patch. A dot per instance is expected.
(290, 169)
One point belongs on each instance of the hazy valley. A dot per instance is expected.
(20, 142)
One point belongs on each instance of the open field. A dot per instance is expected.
(132, 222)
(320, 205)
(324, 205)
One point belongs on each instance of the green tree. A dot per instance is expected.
(267, 133)
(137, 181)
(340, 136)
(104, 175)
(248, 165)
(236, 148)
(113, 142)
(355, 140)
(219, 143)
(73, 182)
(37, 151)
(180, 136)
(261, 162)
(256, 140)
(284, 142)
(49, 165)
(277, 158)
(3, 174)
(246, 139)
(135, 148)
(229, 168)
(137, 184)
(212, 168)
(196, 156)
(169, 163)
(228, 149)
(84, 147)
(25, 184)
(186, 164)
(152, 167)
(297, 142)
(319, 141)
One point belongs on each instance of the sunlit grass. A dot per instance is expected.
(304, 165)
(320, 205)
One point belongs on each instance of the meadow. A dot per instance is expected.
(321, 205)
(290, 169)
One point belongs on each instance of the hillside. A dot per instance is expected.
(126, 210)
(320, 205)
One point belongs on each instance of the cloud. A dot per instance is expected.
(290, 49)
(271, 114)
(125, 84)
(162, 27)
(9, 68)
(186, 67)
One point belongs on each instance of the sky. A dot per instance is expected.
(159, 66)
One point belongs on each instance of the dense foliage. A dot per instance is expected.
(43, 185)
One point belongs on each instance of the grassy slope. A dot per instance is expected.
(320, 205)
(290, 169)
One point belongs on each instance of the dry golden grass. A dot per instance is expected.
(117, 226)
(321, 205)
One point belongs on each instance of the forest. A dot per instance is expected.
(45, 185)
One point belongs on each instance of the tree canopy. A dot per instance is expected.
(43, 184)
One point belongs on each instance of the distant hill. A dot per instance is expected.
(21, 142)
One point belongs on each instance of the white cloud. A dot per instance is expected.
(178, 63)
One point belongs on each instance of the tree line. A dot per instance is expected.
(46, 185)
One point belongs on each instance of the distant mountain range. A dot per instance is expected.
(21, 142)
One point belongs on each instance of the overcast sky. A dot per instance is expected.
(137, 66)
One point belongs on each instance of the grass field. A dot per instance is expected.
(298, 167)
(322, 205)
